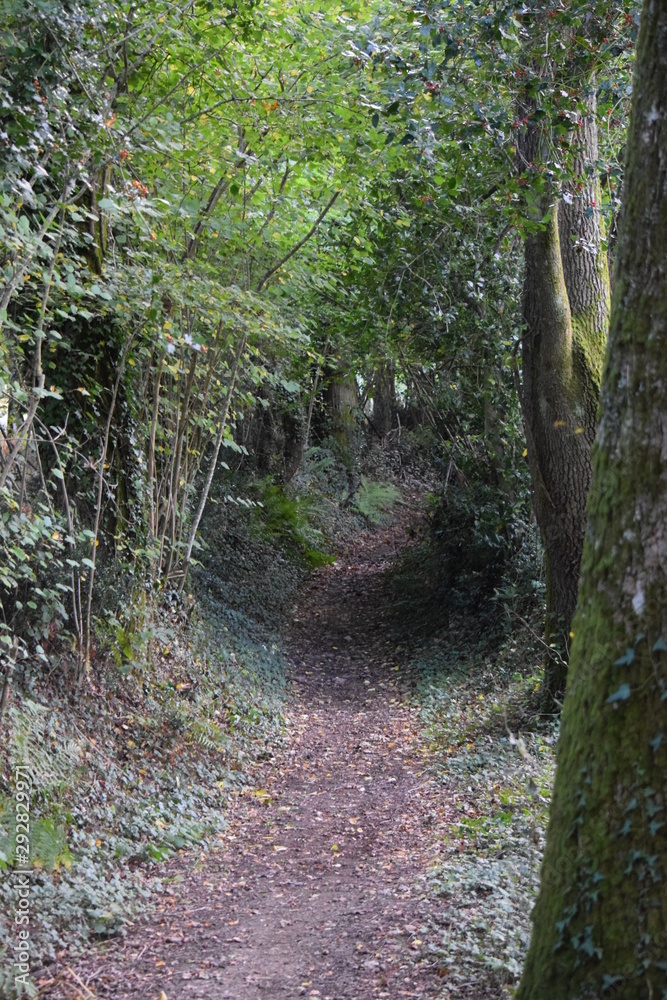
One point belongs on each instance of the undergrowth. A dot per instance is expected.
(183, 696)
(468, 598)
(480, 698)
(290, 516)
(143, 761)
(143, 766)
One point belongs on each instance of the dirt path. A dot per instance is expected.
(320, 889)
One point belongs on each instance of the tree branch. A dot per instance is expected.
(297, 247)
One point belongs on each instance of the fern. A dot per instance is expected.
(208, 735)
(375, 500)
(51, 759)
(48, 841)
(290, 519)
(48, 845)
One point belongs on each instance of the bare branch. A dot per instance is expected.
(302, 242)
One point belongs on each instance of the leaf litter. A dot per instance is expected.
(381, 853)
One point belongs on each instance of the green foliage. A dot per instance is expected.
(39, 742)
(475, 531)
(480, 704)
(10, 988)
(33, 569)
(289, 519)
(174, 259)
(48, 841)
(375, 501)
(136, 785)
(202, 214)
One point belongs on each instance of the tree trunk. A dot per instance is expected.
(558, 453)
(566, 312)
(384, 398)
(342, 403)
(585, 267)
(600, 923)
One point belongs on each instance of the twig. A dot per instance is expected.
(551, 649)
(80, 981)
(100, 490)
(216, 452)
(297, 246)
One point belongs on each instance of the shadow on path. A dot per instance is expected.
(320, 889)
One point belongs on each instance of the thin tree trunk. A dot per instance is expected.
(75, 574)
(294, 467)
(600, 923)
(88, 621)
(37, 374)
(214, 460)
(176, 461)
(151, 445)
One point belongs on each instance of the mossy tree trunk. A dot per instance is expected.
(566, 315)
(600, 923)
(342, 403)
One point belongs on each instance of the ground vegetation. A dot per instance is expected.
(303, 307)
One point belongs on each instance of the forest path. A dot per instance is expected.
(319, 890)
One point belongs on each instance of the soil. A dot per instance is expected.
(320, 888)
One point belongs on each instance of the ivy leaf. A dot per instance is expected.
(622, 694)
(626, 659)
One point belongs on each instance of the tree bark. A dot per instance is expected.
(585, 267)
(566, 314)
(341, 398)
(384, 398)
(600, 923)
